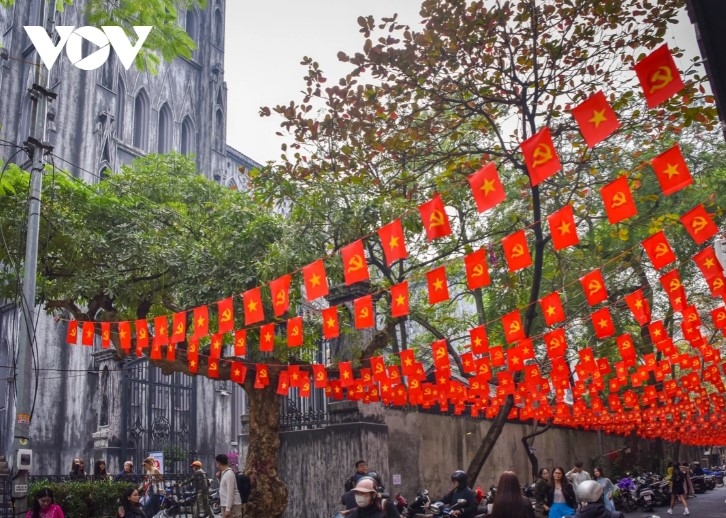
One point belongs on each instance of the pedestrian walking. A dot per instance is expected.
(200, 483)
(541, 489)
(607, 487)
(509, 501)
(229, 496)
(561, 496)
(678, 488)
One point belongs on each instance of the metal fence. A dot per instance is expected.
(175, 496)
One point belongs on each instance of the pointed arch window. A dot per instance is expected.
(120, 108)
(191, 24)
(141, 120)
(187, 136)
(166, 127)
(218, 33)
(219, 130)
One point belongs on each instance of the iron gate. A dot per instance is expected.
(158, 415)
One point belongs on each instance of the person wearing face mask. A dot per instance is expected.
(367, 500)
(387, 504)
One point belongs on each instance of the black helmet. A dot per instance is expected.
(375, 476)
(460, 477)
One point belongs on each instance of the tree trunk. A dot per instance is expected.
(490, 439)
(269, 492)
(527, 448)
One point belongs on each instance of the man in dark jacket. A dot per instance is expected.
(590, 494)
(461, 491)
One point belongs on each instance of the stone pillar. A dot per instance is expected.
(108, 429)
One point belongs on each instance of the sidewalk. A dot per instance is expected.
(711, 504)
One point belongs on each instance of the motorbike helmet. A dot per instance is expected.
(375, 476)
(459, 477)
(589, 491)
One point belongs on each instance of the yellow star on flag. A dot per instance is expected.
(598, 117)
(564, 228)
(488, 186)
(672, 170)
(438, 284)
(315, 280)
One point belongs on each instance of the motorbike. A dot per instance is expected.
(716, 474)
(214, 501)
(625, 498)
(699, 484)
(441, 509)
(419, 505)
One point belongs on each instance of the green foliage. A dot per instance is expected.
(98, 499)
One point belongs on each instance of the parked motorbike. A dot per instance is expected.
(699, 484)
(214, 501)
(625, 498)
(716, 474)
(441, 509)
(419, 506)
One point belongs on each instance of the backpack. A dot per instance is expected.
(244, 486)
(350, 483)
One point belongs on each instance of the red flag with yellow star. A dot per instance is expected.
(215, 346)
(671, 170)
(355, 268)
(618, 200)
(596, 119)
(283, 383)
(346, 374)
(434, 218)
(72, 333)
(477, 269)
(192, 359)
(252, 301)
(593, 285)
(225, 315)
(161, 330)
(659, 250)
(280, 295)
(201, 321)
(698, 224)
(393, 242)
(479, 340)
(399, 300)
(331, 327)
(552, 310)
(124, 335)
(563, 228)
(408, 362)
(295, 332)
(363, 312)
(639, 306)
(267, 338)
(540, 156)
(516, 251)
(240, 342)
(708, 263)
(437, 285)
(88, 333)
(238, 372)
(602, 323)
(316, 282)
(658, 75)
(486, 188)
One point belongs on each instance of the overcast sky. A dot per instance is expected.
(266, 40)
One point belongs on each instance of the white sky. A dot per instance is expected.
(266, 40)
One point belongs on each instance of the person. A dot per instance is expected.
(130, 507)
(44, 506)
(99, 471)
(78, 469)
(367, 500)
(153, 487)
(361, 468)
(387, 504)
(689, 485)
(127, 473)
(541, 488)
(229, 497)
(561, 495)
(590, 494)
(607, 487)
(199, 482)
(461, 491)
(577, 475)
(678, 489)
(509, 501)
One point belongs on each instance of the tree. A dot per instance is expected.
(423, 108)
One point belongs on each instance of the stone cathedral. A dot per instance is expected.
(87, 404)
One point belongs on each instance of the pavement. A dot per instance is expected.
(711, 504)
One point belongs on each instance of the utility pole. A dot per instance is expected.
(37, 147)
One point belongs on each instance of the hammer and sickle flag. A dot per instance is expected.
(295, 332)
(618, 200)
(540, 156)
(213, 368)
(627, 349)
(671, 170)
(659, 250)
(718, 316)
(280, 295)
(331, 327)
(320, 376)
(513, 328)
(440, 354)
(596, 119)
(717, 285)
(487, 188)
(142, 334)
(477, 269)
(434, 218)
(556, 342)
(355, 268)
(262, 376)
(698, 224)
(516, 251)
(658, 76)
(363, 312)
(106, 334)
(593, 285)
(240, 342)
(378, 368)
(225, 315)
(72, 334)
(179, 327)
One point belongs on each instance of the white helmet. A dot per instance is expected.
(589, 491)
